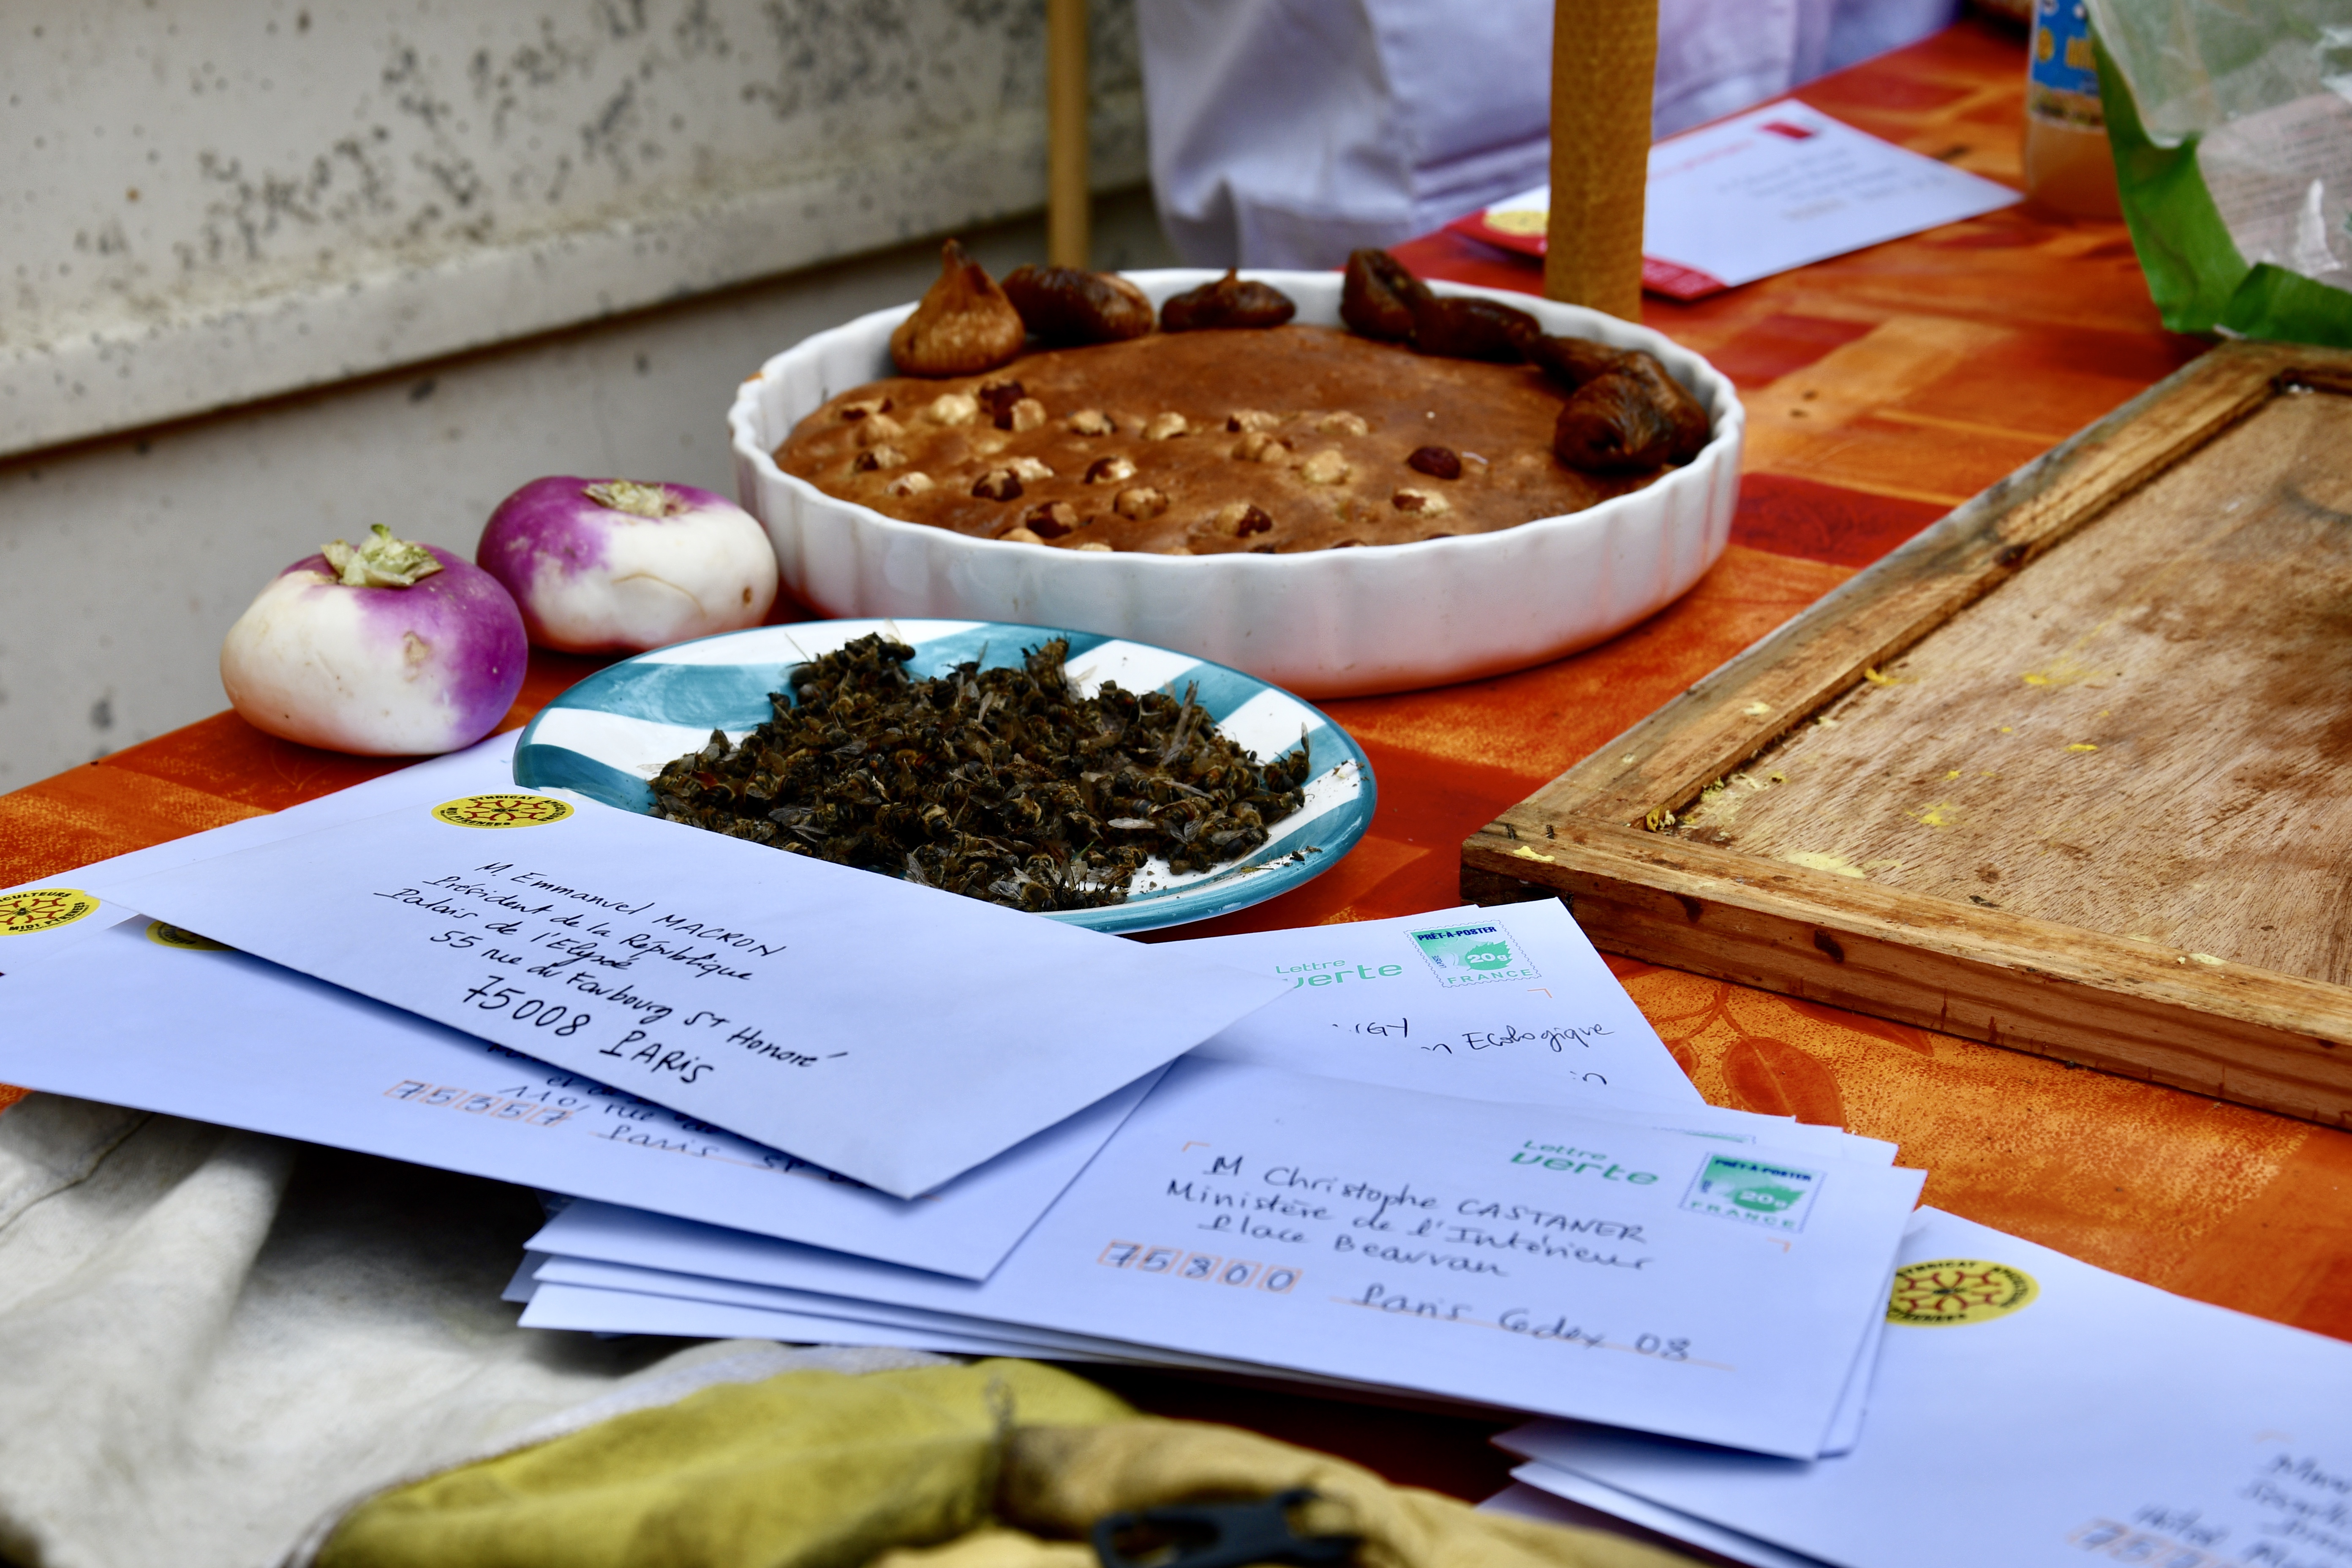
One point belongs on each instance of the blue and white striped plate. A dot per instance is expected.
(609, 735)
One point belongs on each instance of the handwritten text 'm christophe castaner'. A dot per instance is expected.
(550, 951)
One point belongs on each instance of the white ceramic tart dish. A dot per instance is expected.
(1328, 622)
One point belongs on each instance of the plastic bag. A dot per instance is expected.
(2231, 126)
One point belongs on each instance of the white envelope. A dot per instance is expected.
(487, 764)
(895, 1034)
(1524, 1257)
(2041, 1411)
(1783, 185)
(606, 1245)
(692, 1291)
(225, 1038)
(1537, 1017)
(611, 1298)
(625, 1312)
(808, 1318)
(237, 1041)
(1773, 189)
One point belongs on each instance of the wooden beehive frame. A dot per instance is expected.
(2279, 1041)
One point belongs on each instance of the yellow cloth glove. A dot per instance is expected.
(806, 1467)
(920, 1468)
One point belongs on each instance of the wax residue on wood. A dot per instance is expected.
(2148, 732)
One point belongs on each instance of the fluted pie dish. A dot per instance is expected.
(1278, 601)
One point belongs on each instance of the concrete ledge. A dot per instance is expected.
(104, 379)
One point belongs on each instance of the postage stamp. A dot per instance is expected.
(1473, 954)
(1757, 1191)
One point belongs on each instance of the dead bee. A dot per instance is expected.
(1002, 783)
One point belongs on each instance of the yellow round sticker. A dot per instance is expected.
(502, 811)
(1958, 1291)
(1521, 220)
(162, 935)
(43, 908)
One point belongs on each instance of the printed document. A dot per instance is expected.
(896, 1034)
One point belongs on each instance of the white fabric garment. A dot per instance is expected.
(209, 1339)
(1288, 132)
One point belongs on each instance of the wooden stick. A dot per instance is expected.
(1068, 242)
(1604, 57)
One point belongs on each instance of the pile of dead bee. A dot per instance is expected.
(1002, 784)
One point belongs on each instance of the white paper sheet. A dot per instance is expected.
(1535, 1017)
(225, 1038)
(2099, 1420)
(895, 1034)
(1473, 1250)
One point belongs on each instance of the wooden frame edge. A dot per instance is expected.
(2049, 990)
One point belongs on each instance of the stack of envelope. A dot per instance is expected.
(1441, 1156)
(2026, 1406)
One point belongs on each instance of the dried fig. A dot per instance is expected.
(963, 326)
(1377, 296)
(1692, 425)
(1227, 303)
(1458, 326)
(1630, 418)
(1068, 306)
(1572, 361)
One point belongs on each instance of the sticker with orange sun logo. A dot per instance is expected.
(43, 908)
(1958, 1291)
(502, 811)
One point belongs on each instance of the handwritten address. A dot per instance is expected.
(577, 962)
(1288, 1211)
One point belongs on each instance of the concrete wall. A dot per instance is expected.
(272, 270)
(204, 202)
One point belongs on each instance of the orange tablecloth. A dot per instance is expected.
(1883, 388)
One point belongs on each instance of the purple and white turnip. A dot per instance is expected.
(615, 566)
(391, 649)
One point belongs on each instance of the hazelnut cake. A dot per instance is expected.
(1272, 438)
